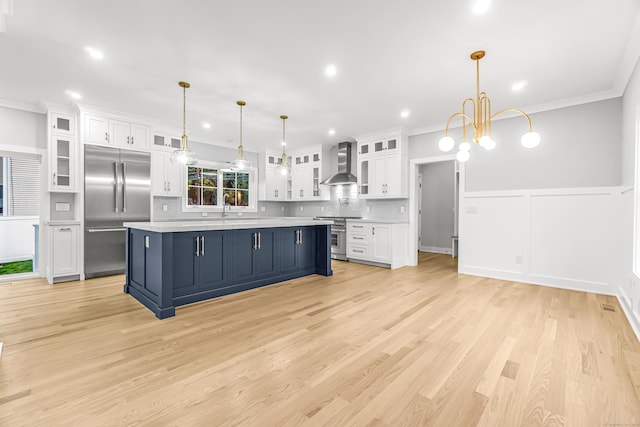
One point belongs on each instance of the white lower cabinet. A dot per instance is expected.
(63, 250)
(166, 176)
(381, 243)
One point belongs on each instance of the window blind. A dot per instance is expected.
(24, 184)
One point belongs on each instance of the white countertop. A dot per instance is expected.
(380, 221)
(63, 222)
(224, 224)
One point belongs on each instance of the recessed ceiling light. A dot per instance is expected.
(405, 113)
(73, 94)
(332, 131)
(331, 70)
(481, 6)
(519, 86)
(95, 53)
(206, 125)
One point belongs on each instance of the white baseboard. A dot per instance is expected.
(435, 249)
(632, 318)
(549, 281)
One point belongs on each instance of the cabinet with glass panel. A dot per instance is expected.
(382, 165)
(307, 172)
(62, 152)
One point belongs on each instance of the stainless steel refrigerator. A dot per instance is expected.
(117, 189)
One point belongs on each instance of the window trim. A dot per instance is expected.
(221, 168)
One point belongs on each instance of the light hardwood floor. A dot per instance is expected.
(368, 346)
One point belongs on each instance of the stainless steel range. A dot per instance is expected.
(338, 235)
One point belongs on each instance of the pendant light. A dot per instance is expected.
(240, 162)
(283, 167)
(184, 154)
(478, 117)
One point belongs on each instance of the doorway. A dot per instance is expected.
(415, 204)
(437, 208)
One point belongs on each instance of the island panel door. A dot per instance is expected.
(287, 249)
(264, 257)
(244, 244)
(214, 268)
(184, 266)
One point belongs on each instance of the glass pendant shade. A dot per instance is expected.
(462, 156)
(530, 139)
(184, 155)
(446, 143)
(283, 167)
(240, 163)
(487, 142)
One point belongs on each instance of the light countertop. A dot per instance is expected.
(380, 221)
(224, 224)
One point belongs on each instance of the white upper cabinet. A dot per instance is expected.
(308, 170)
(166, 176)
(62, 152)
(63, 124)
(383, 166)
(272, 184)
(100, 129)
(164, 142)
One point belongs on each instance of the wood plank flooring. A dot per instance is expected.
(368, 346)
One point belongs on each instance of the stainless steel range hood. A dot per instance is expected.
(344, 175)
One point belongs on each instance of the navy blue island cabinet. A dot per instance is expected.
(169, 269)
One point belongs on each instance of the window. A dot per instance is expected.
(19, 186)
(236, 188)
(202, 186)
(212, 188)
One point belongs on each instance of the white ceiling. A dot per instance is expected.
(405, 54)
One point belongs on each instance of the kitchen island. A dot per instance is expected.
(169, 264)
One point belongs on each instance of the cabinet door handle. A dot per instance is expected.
(124, 187)
(169, 185)
(131, 140)
(128, 140)
(297, 237)
(255, 241)
(197, 246)
(146, 242)
(259, 240)
(54, 179)
(300, 193)
(358, 251)
(373, 230)
(165, 186)
(202, 245)
(106, 136)
(115, 186)
(300, 236)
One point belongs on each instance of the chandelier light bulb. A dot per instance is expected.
(464, 146)
(487, 142)
(462, 156)
(446, 143)
(530, 139)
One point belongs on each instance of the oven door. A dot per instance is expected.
(339, 244)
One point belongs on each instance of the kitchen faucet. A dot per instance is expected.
(226, 208)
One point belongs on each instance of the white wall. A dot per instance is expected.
(22, 128)
(556, 237)
(438, 181)
(17, 236)
(628, 282)
(580, 148)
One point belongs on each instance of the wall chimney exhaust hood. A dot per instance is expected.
(344, 175)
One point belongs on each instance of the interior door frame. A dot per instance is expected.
(414, 197)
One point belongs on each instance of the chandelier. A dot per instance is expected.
(476, 113)
(240, 162)
(283, 167)
(184, 154)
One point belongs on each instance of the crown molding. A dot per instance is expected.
(24, 106)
